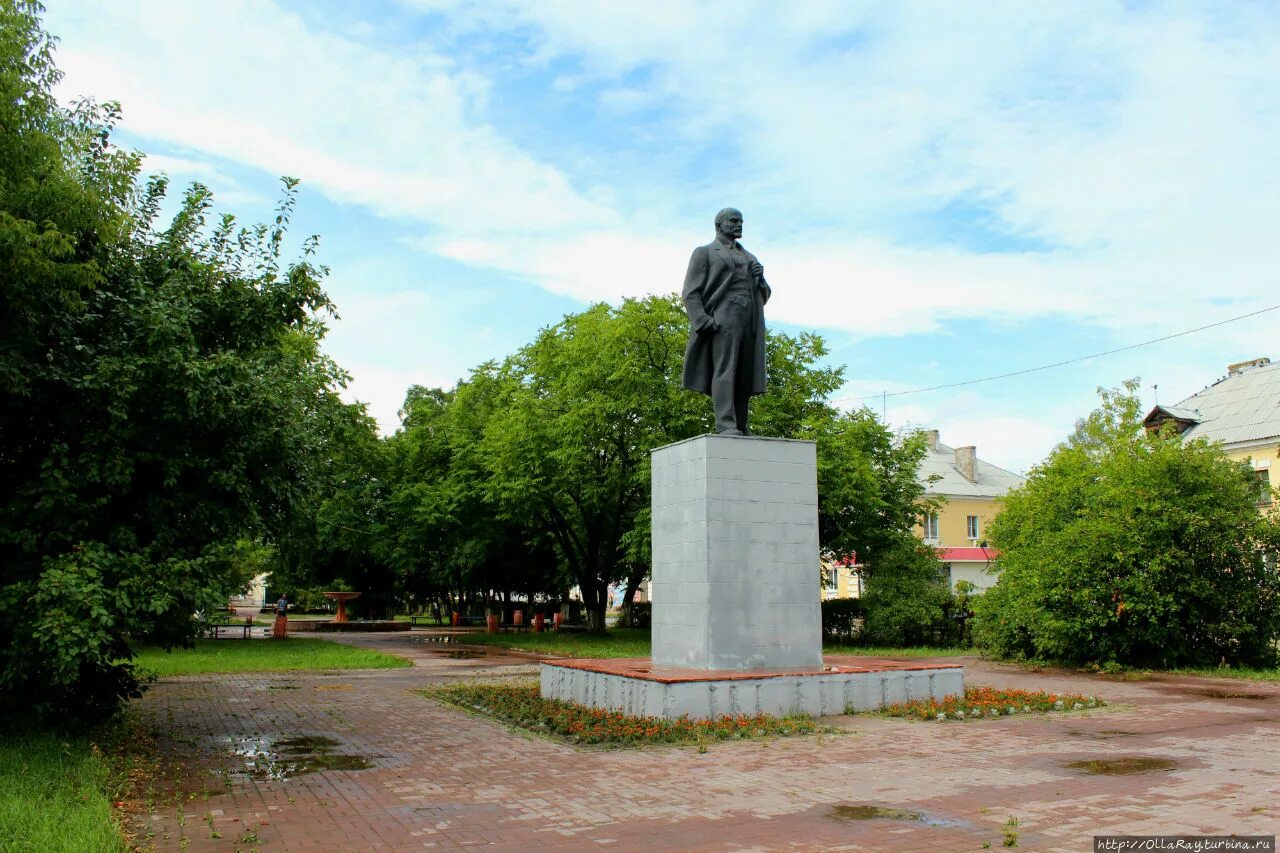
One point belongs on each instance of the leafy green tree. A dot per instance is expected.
(869, 499)
(1134, 548)
(567, 445)
(158, 391)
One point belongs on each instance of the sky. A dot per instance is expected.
(944, 191)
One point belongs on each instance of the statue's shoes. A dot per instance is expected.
(729, 432)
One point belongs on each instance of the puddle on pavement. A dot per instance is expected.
(870, 812)
(1101, 733)
(1128, 766)
(278, 759)
(454, 640)
(1228, 694)
(314, 743)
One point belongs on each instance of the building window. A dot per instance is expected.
(931, 527)
(971, 524)
(833, 578)
(1264, 485)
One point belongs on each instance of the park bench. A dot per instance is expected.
(215, 625)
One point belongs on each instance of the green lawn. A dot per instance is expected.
(634, 643)
(1243, 673)
(263, 656)
(618, 643)
(900, 651)
(54, 796)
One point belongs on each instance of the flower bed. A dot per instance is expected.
(988, 702)
(520, 705)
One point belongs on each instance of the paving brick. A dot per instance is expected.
(441, 779)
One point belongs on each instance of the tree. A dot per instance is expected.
(158, 395)
(567, 446)
(573, 416)
(447, 542)
(1134, 548)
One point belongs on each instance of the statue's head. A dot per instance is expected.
(729, 223)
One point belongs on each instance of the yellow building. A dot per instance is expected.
(1241, 411)
(972, 491)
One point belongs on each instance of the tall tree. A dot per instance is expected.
(568, 445)
(158, 387)
(1134, 548)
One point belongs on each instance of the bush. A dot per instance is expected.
(1133, 549)
(842, 619)
(310, 600)
(640, 615)
(907, 599)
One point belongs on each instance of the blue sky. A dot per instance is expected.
(945, 191)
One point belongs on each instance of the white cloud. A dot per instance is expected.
(1135, 143)
(399, 132)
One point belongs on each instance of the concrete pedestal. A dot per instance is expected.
(844, 685)
(735, 581)
(737, 620)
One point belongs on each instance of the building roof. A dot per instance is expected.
(989, 481)
(1242, 406)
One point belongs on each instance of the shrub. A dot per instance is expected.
(842, 619)
(1135, 549)
(640, 614)
(907, 599)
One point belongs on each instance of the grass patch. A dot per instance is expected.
(55, 795)
(1242, 673)
(618, 643)
(520, 705)
(900, 651)
(984, 702)
(635, 643)
(263, 656)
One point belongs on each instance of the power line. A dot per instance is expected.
(883, 394)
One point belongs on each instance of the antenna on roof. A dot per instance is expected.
(1155, 389)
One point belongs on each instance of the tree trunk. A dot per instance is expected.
(595, 600)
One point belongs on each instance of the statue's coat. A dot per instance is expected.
(705, 285)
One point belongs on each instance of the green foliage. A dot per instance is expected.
(869, 499)
(907, 599)
(294, 653)
(162, 395)
(640, 615)
(534, 474)
(1133, 548)
(566, 446)
(842, 619)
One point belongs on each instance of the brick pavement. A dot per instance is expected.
(443, 780)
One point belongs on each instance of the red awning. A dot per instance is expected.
(967, 555)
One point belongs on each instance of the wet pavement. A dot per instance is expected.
(355, 760)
